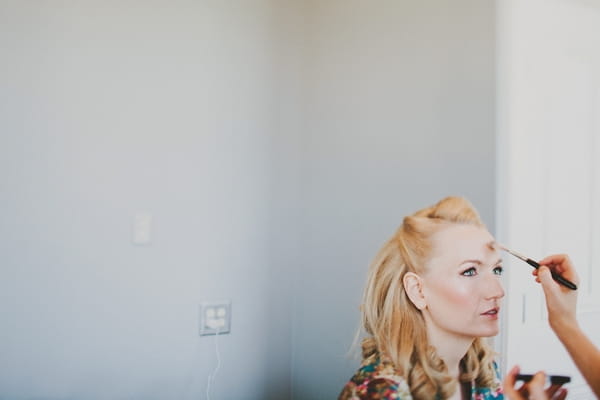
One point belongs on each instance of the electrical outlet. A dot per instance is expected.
(215, 317)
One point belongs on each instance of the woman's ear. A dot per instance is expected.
(413, 286)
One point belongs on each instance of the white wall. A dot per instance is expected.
(109, 108)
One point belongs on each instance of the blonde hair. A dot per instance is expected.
(396, 327)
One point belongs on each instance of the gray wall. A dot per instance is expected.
(110, 108)
(277, 145)
(400, 112)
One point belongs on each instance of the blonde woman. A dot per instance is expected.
(433, 293)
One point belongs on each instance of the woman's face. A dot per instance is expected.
(462, 283)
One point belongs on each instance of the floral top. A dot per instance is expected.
(377, 379)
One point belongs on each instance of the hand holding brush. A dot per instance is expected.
(555, 275)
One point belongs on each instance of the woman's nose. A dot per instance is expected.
(494, 287)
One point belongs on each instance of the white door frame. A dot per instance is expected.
(548, 168)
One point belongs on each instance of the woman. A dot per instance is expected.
(433, 292)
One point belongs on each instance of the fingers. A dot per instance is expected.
(556, 259)
(561, 264)
(538, 275)
(509, 384)
(536, 387)
(511, 375)
(556, 392)
(545, 277)
(550, 287)
(561, 394)
(532, 390)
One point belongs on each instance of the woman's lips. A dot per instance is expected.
(492, 312)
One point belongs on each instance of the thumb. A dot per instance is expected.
(550, 287)
(545, 277)
(536, 386)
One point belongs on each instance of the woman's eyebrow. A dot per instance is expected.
(479, 262)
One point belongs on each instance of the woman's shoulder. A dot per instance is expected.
(376, 379)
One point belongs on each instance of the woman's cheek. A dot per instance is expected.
(457, 293)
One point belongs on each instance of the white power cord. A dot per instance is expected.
(212, 375)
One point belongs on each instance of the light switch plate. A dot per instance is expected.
(142, 229)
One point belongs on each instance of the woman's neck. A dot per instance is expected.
(451, 349)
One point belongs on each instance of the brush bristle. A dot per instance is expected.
(514, 253)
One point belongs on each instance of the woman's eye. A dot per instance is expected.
(498, 270)
(470, 272)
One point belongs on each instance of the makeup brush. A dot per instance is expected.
(536, 265)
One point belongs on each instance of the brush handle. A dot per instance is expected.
(563, 281)
(556, 277)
